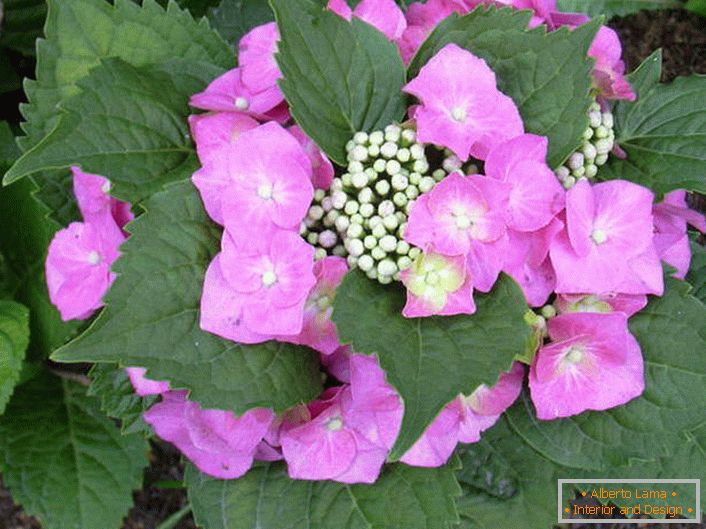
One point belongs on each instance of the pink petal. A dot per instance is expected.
(438, 441)
(144, 386)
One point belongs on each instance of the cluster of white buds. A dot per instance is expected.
(364, 213)
(598, 142)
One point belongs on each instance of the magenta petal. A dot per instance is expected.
(438, 441)
(144, 386)
(322, 167)
(213, 132)
(385, 15)
(495, 400)
(256, 57)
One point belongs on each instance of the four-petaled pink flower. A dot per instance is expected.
(461, 106)
(592, 363)
(607, 245)
(609, 70)
(216, 441)
(464, 419)
(348, 432)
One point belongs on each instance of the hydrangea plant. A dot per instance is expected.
(387, 265)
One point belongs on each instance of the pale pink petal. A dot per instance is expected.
(213, 132)
(438, 441)
(385, 15)
(256, 58)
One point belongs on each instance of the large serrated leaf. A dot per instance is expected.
(402, 498)
(64, 461)
(234, 18)
(613, 8)
(431, 360)
(128, 123)
(672, 336)
(14, 338)
(547, 75)
(151, 318)
(339, 77)
(663, 132)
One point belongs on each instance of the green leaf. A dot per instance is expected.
(402, 498)
(22, 24)
(547, 75)
(697, 6)
(672, 337)
(118, 398)
(697, 272)
(8, 149)
(431, 360)
(128, 123)
(64, 461)
(14, 338)
(234, 18)
(613, 8)
(79, 33)
(663, 132)
(151, 318)
(339, 77)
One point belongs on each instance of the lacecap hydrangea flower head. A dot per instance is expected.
(457, 195)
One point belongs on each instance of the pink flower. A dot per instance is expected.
(462, 109)
(457, 213)
(671, 240)
(384, 15)
(143, 386)
(609, 70)
(527, 262)
(271, 180)
(216, 441)
(228, 93)
(349, 431)
(422, 18)
(437, 284)
(78, 268)
(319, 331)
(92, 194)
(268, 278)
(337, 364)
(256, 58)
(593, 363)
(628, 304)
(214, 132)
(464, 418)
(536, 195)
(607, 244)
(322, 167)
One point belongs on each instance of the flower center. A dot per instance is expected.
(335, 424)
(241, 103)
(599, 236)
(269, 278)
(106, 187)
(94, 258)
(462, 221)
(574, 355)
(459, 114)
(265, 191)
(432, 278)
(323, 303)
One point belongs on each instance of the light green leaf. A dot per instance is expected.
(613, 8)
(663, 132)
(151, 318)
(127, 123)
(697, 6)
(672, 337)
(22, 24)
(547, 75)
(118, 398)
(14, 338)
(64, 461)
(431, 360)
(339, 77)
(402, 498)
(234, 18)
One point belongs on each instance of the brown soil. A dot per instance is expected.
(682, 37)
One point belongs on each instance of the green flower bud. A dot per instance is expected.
(373, 151)
(342, 223)
(312, 238)
(319, 254)
(409, 136)
(411, 192)
(404, 262)
(357, 219)
(601, 159)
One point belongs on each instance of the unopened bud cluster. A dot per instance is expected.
(364, 213)
(598, 141)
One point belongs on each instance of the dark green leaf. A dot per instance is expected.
(339, 77)
(234, 18)
(118, 399)
(697, 6)
(22, 24)
(431, 360)
(613, 8)
(152, 318)
(14, 338)
(402, 498)
(672, 336)
(547, 75)
(663, 132)
(64, 461)
(697, 273)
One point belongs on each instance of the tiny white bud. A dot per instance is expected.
(241, 103)
(562, 172)
(426, 184)
(373, 151)
(336, 185)
(390, 222)
(595, 119)
(399, 182)
(359, 153)
(355, 167)
(342, 223)
(359, 180)
(589, 151)
(439, 175)
(412, 192)
(403, 155)
(588, 133)
(569, 182)
(417, 152)
(404, 262)
(591, 171)
(400, 199)
(603, 146)
(365, 263)
(601, 159)
(601, 132)
(360, 137)
(379, 165)
(608, 121)
(579, 172)
(357, 218)
(402, 247)
(389, 149)
(316, 212)
(339, 250)
(346, 179)
(575, 160)
(386, 267)
(379, 231)
(352, 261)
(382, 187)
(350, 145)
(386, 208)
(414, 252)
(365, 195)
(331, 217)
(370, 242)
(328, 239)
(388, 243)
(351, 207)
(376, 138)
(548, 311)
(355, 247)
(366, 210)
(452, 163)
(393, 167)
(409, 136)
(393, 133)
(319, 254)
(312, 238)
(385, 280)
(378, 253)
